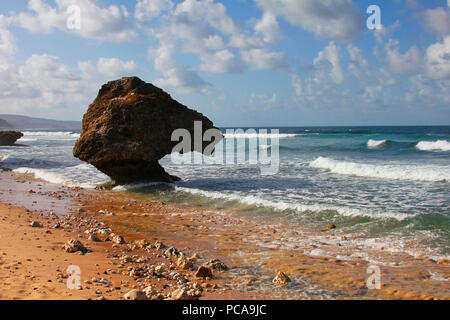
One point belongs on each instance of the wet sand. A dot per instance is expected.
(32, 261)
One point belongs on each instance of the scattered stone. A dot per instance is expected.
(36, 224)
(149, 292)
(135, 294)
(194, 257)
(117, 239)
(443, 261)
(159, 245)
(93, 237)
(281, 279)
(172, 252)
(184, 264)
(217, 265)
(204, 272)
(179, 294)
(74, 245)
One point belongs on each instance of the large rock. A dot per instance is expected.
(128, 129)
(8, 138)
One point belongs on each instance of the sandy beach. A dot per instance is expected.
(34, 264)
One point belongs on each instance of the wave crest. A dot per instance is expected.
(393, 171)
(376, 143)
(439, 145)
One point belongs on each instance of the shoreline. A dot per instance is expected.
(243, 244)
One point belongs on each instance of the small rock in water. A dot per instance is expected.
(204, 272)
(73, 245)
(135, 294)
(217, 265)
(281, 279)
(36, 224)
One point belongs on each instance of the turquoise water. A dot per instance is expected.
(375, 182)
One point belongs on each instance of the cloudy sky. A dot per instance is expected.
(240, 62)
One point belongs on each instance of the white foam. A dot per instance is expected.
(56, 134)
(439, 145)
(376, 143)
(385, 171)
(128, 187)
(68, 176)
(282, 206)
(261, 135)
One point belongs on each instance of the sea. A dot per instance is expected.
(388, 185)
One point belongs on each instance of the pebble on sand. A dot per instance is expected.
(204, 272)
(135, 294)
(179, 294)
(36, 224)
(281, 279)
(217, 265)
(74, 245)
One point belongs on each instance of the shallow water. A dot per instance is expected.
(381, 185)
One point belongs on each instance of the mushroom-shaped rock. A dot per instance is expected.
(128, 129)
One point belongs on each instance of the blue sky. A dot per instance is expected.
(241, 62)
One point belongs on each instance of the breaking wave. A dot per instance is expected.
(388, 171)
(376, 143)
(439, 145)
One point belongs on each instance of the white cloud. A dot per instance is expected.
(297, 84)
(203, 28)
(408, 62)
(263, 98)
(325, 81)
(263, 59)
(438, 59)
(268, 27)
(328, 59)
(427, 91)
(114, 67)
(42, 84)
(176, 77)
(338, 20)
(438, 19)
(222, 61)
(357, 64)
(7, 45)
(106, 23)
(145, 10)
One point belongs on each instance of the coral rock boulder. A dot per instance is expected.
(128, 129)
